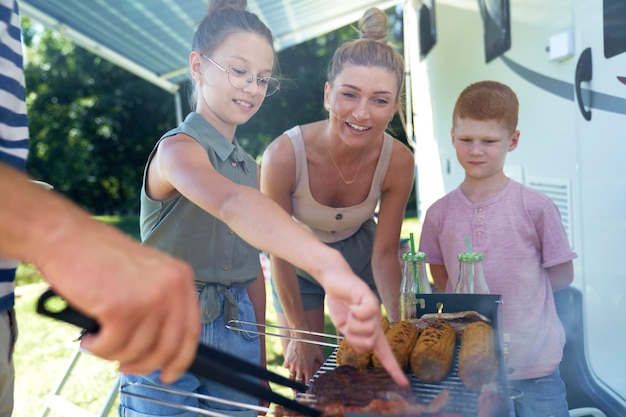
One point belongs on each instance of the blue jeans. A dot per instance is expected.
(215, 334)
(541, 397)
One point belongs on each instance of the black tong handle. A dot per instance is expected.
(209, 362)
(66, 314)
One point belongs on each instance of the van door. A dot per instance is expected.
(600, 114)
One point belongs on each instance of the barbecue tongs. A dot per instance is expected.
(209, 362)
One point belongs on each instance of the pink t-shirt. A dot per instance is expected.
(520, 233)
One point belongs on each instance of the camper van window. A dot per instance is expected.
(496, 27)
(614, 27)
(427, 28)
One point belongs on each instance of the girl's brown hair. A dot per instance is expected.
(223, 18)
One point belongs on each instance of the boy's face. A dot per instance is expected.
(481, 146)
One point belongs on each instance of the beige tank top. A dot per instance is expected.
(332, 224)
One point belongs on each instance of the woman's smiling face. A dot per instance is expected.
(362, 101)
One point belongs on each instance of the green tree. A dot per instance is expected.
(91, 124)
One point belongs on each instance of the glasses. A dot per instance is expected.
(240, 77)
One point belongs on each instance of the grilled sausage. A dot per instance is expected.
(433, 353)
(401, 337)
(477, 357)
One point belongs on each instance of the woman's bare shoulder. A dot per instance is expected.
(402, 153)
(279, 151)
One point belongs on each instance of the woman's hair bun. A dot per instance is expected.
(373, 25)
(215, 5)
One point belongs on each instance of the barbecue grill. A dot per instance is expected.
(462, 401)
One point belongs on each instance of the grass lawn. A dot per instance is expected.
(44, 348)
(41, 356)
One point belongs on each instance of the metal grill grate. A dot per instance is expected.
(462, 401)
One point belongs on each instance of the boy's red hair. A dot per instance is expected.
(488, 100)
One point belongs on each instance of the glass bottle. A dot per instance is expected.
(414, 281)
(471, 276)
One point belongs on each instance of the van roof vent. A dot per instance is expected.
(559, 191)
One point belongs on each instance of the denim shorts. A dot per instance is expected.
(356, 250)
(541, 397)
(215, 334)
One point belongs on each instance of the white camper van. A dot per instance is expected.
(566, 60)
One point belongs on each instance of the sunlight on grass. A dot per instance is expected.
(27, 274)
(411, 225)
(41, 356)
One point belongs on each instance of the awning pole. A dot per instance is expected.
(179, 108)
(409, 18)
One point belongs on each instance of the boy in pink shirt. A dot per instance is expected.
(519, 230)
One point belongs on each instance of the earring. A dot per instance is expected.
(327, 107)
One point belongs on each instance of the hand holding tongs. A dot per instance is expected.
(209, 363)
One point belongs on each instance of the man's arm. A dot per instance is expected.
(144, 300)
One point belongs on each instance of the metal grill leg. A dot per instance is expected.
(55, 402)
(110, 399)
(59, 386)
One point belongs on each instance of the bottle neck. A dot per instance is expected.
(471, 279)
(414, 278)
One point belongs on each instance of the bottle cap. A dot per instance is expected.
(471, 256)
(414, 256)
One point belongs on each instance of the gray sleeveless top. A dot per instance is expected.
(219, 257)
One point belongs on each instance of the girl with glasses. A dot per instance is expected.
(200, 203)
(331, 175)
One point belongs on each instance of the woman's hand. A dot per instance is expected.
(303, 360)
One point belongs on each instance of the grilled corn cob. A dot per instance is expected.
(384, 322)
(346, 355)
(401, 337)
(477, 357)
(432, 355)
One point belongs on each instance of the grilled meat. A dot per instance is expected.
(349, 386)
(458, 321)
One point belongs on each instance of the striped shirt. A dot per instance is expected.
(13, 121)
